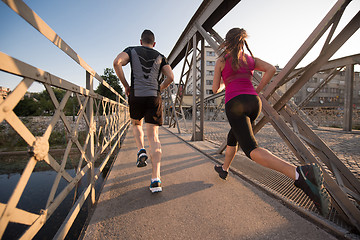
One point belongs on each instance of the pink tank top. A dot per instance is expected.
(239, 81)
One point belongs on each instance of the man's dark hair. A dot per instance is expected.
(148, 37)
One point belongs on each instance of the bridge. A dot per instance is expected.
(107, 122)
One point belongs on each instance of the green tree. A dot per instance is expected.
(46, 103)
(41, 104)
(72, 106)
(110, 77)
(28, 107)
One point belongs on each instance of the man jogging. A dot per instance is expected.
(144, 98)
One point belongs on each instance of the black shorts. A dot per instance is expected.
(241, 112)
(149, 108)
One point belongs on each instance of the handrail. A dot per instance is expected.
(106, 122)
(34, 20)
(111, 125)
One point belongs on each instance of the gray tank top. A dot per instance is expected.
(146, 64)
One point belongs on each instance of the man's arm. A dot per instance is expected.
(121, 60)
(167, 71)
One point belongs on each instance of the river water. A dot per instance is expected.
(35, 197)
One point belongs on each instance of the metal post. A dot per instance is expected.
(194, 113)
(348, 103)
(90, 147)
(118, 118)
(202, 89)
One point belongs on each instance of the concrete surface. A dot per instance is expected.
(195, 202)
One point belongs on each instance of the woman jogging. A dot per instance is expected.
(233, 71)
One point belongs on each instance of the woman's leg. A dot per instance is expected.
(231, 148)
(229, 156)
(241, 113)
(267, 159)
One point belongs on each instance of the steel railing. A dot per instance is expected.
(106, 121)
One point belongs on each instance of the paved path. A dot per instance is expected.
(195, 202)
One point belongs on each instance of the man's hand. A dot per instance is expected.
(127, 91)
(167, 71)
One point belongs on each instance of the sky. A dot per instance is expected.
(99, 30)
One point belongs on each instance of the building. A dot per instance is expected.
(4, 92)
(331, 95)
(210, 59)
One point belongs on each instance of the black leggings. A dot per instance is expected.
(241, 112)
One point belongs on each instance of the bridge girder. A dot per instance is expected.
(278, 109)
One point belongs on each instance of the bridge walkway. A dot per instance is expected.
(195, 202)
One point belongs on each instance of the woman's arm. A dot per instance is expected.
(269, 71)
(218, 85)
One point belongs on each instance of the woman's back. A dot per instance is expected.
(239, 81)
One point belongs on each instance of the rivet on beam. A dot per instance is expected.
(40, 148)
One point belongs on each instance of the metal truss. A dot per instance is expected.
(106, 122)
(208, 14)
(332, 68)
(178, 112)
(342, 185)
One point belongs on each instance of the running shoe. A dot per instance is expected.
(155, 186)
(311, 181)
(223, 174)
(141, 158)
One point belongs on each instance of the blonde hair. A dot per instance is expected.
(233, 47)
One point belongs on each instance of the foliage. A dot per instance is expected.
(27, 107)
(110, 77)
(40, 104)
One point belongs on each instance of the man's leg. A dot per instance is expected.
(138, 133)
(152, 131)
